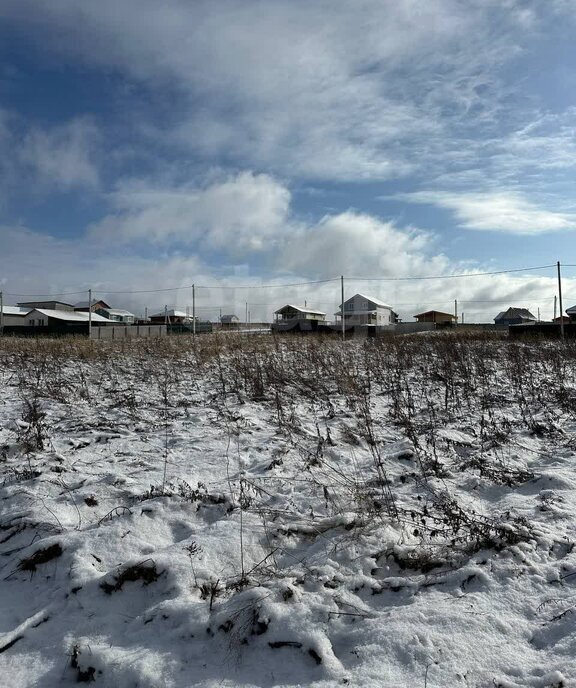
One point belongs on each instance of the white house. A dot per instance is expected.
(118, 315)
(366, 310)
(172, 317)
(14, 315)
(571, 313)
(290, 312)
(45, 317)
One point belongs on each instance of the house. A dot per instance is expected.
(436, 317)
(290, 312)
(297, 319)
(14, 316)
(367, 310)
(50, 305)
(514, 316)
(62, 320)
(564, 319)
(172, 317)
(229, 322)
(571, 313)
(97, 304)
(117, 315)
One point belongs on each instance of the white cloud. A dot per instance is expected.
(360, 245)
(331, 90)
(61, 157)
(496, 211)
(369, 252)
(236, 215)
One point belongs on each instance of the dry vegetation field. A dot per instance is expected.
(262, 511)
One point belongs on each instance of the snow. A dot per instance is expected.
(255, 511)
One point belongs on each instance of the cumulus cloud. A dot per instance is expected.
(496, 211)
(61, 156)
(235, 215)
(40, 160)
(358, 244)
(371, 253)
(331, 90)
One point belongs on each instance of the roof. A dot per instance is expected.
(70, 316)
(449, 315)
(373, 300)
(229, 318)
(513, 312)
(572, 309)
(172, 313)
(15, 310)
(38, 303)
(84, 304)
(300, 309)
(118, 311)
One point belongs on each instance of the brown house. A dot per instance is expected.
(436, 317)
(97, 304)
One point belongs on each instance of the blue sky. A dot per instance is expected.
(147, 145)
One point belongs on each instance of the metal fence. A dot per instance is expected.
(128, 331)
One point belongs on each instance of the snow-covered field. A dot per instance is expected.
(252, 511)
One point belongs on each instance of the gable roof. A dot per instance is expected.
(172, 313)
(572, 309)
(70, 316)
(513, 312)
(373, 300)
(229, 318)
(300, 309)
(449, 315)
(15, 310)
(34, 304)
(117, 311)
(84, 304)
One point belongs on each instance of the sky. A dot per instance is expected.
(246, 146)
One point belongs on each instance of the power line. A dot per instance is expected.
(103, 290)
(221, 286)
(47, 296)
(463, 274)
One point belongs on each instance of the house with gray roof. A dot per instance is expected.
(362, 310)
(514, 316)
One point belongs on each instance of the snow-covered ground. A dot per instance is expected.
(247, 511)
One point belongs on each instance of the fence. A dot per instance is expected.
(128, 331)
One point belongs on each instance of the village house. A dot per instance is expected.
(229, 322)
(61, 320)
(514, 316)
(437, 317)
(297, 318)
(171, 316)
(571, 313)
(14, 316)
(97, 304)
(366, 310)
(117, 315)
(50, 305)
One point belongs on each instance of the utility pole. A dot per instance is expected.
(456, 310)
(538, 313)
(146, 313)
(1, 313)
(165, 315)
(342, 308)
(555, 298)
(246, 316)
(194, 310)
(89, 313)
(560, 302)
